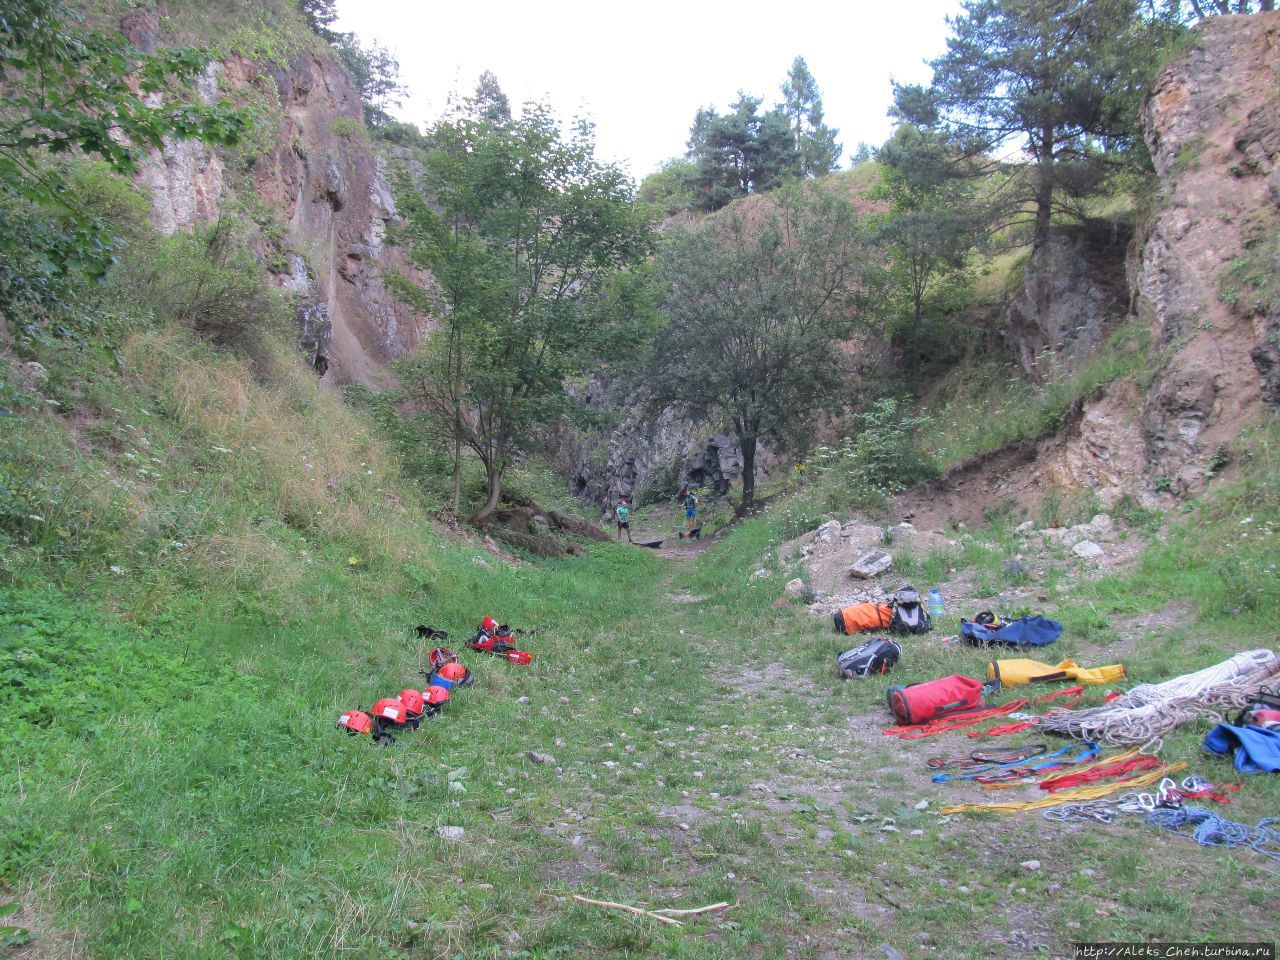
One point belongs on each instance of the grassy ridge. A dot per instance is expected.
(182, 788)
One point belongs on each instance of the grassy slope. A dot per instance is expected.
(176, 784)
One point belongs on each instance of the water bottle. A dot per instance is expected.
(936, 609)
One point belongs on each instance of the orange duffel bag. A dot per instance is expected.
(863, 616)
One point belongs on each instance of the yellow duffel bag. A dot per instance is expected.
(1017, 673)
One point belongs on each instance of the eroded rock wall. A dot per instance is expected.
(1212, 123)
(326, 190)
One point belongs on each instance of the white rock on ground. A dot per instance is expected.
(795, 587)
(871, 564)
(1087, 549)
(451, 833)
(761, 574)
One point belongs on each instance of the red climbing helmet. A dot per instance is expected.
(412, 700)
(488, 625)
(455, 672)
(390, 710)
(439, 656)
(437, 698)
(356, 722)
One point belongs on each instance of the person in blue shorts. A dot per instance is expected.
(690, 510)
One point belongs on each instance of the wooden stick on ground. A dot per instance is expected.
(684, 913)
(629, 909)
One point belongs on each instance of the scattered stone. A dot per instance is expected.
(1030, 864)
(1102, 524)
(761, 574)
(1088, 872)
(1017, 567)
(1025, 526)
(828, 530)
(457, 786)
(635, 711)
(922, 805)
(564, 699)
(917, 833)
(544, 759)
(450, 833)
(782, 602)
(683, 826)
(522, 699)
(482, 563)
(542, 521)
(871, 564)
(795, 588)
(1087, 549)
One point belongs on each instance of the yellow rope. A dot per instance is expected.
(1067, 796)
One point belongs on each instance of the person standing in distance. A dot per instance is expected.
(690, 510)
(624, 519)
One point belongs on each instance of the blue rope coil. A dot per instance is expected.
(1212, 830)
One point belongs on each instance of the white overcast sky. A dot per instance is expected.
(641, 70)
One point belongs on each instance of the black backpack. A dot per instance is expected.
(909, 614)
(874, 656)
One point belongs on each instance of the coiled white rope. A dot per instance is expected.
(1151, 710)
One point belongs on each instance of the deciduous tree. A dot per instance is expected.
(756, 313)
(534, 246)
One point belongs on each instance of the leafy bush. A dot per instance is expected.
(881, 459)
(208, 282)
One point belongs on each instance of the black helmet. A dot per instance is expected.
(874, 656)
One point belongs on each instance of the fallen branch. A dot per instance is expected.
(630, 909)
(715, 906)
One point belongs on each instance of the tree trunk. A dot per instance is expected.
(493, 478)
(1044, 214)
(748, 444)
(457, 429)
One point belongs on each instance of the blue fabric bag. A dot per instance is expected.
(1257, 748)
(1033, 631)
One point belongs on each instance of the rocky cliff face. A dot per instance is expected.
(1203, 275)
(1213, 127)
(325, 191)
(1088, 295)
(646, 460)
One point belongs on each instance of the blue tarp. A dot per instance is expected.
(1034, 631)
(1257, 748)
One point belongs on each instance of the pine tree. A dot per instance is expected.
(815, 142)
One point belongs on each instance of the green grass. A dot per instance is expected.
(172, 781)
(992, 405)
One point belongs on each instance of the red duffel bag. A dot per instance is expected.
(922, 702)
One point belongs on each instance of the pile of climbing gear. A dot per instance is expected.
(411, 706)
(498, 639)
(445, 677)
(1007, 764)
(1153, 710)
(987, 629)
(960, 717)
(919, 703)
(904, 613)
(1018, 673)
(873, 657)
